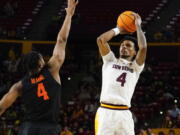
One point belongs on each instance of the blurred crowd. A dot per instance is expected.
(8, 10)
(167, 34)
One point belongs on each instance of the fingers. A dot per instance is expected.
(73, 2)
(77, 1)
(136, 15)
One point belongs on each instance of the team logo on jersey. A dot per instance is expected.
(122, 68)
(38, 79)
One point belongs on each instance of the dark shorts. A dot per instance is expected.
(29, 128)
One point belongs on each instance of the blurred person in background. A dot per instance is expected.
(66, 131)
(149, 132)
(172, 132)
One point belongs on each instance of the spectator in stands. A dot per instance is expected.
(84, 93)
(168, 35)
(12, 54)
(174, 111)
(14, 130)
(161, 133)
(77, 112)
(177, 121)
(15, 5)
(158, 36)
(149, 132)
(172, 132)
(66, 131)
(167, 123)
(142, 132)
(8, 9)
(90, 107)
(81, 131)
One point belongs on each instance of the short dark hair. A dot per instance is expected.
(29, 63)
(134, 40)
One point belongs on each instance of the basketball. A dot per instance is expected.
(126, 20)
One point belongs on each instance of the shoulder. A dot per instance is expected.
(16, 88)
(18, 85)
(109, 57)
(138, 68)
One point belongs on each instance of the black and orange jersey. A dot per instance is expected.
(41, 97)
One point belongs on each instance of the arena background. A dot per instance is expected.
(33, 25)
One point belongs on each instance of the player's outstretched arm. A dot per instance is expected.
(9, 98)
(102, 40)
(58, 57)
(142, 44)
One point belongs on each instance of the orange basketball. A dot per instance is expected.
(126, 20)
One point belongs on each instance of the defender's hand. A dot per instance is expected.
(71, 7)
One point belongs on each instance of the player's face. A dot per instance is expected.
(127, 49)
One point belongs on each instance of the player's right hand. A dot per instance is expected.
(71, 7)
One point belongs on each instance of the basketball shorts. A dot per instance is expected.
(29, 128)
(110, 121)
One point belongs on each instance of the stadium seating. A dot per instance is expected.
(102, 14)
(23, 15)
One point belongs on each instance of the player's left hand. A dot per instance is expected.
(138, 20)
(71, 7)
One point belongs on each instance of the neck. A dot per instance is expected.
(35, 72)
(128, 58)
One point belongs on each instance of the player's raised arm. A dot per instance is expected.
(102, 40)
(142, 44)
(9, 98)
(58, 57)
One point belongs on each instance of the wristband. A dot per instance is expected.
(116, 31)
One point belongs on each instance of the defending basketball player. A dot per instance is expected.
(41, 86)
(120, 76)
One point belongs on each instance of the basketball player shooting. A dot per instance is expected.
(41, 86)
(119, 78)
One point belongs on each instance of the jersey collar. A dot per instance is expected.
(124, 61)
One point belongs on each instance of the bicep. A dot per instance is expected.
(104, 48)
(59, 51)
(141, 56)
(58, 57)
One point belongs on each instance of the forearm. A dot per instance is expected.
(142, 44)
(141, 55)
(64, 32)
(9, 98)
(107, 36)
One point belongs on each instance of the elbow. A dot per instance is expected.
(143, 48)
(100, 40)
(62, 40)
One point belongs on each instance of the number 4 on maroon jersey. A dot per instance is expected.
(122, 79)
